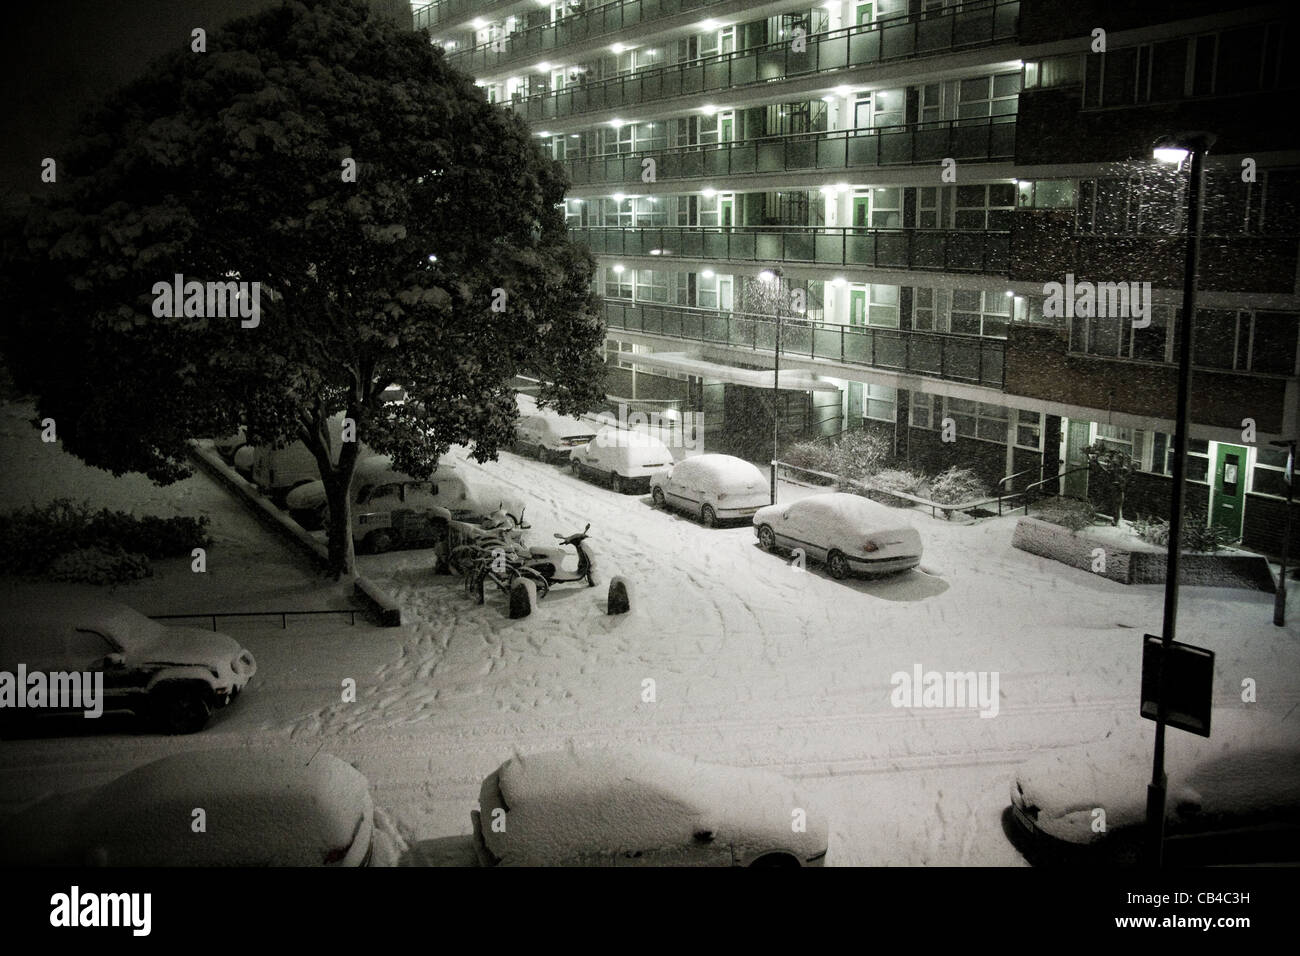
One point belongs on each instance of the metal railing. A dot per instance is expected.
(572, 28)
(960, 358)
(947, 507)
(283, 615)
(940, 250)
(906, 37)
(969, 140)
(1028, 491)
(442, 11)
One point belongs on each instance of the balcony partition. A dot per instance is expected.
(960, 358)
(937, 250)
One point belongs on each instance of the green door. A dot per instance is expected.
(857, 307)
(864, 13)
(862, 211)
(1076, 440)
(1228, 499)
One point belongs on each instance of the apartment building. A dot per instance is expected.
(891, 187)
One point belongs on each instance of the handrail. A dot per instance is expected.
(1056, 477)
(916, 499)
(283, 615)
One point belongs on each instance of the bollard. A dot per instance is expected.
(620, 596)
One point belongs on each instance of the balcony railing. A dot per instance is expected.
(454, 11)
(573, 28)
(959, 358)
(900, 38)
(968, 140)
(938, 250)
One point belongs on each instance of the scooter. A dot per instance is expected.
(549, 562)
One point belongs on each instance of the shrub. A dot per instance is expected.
(1198, 536)
(957, 485)
(1074, 514)
(859, 455)
(1152, 530)
(900, 479)
(99, 565)
(817, 455)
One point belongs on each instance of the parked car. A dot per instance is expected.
(847, 533)
(1234, 797)
(626, 460)
(641, 808)
(277, 471)
(391, 509)
(229, 446)
(713, 487)
(551, 437)
(261, 808)
(173, 676)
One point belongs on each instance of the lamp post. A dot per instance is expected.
(1279, 599)
(1176, 149)
(769, 277)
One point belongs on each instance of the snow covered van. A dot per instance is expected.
(624, 459)
(712, 487)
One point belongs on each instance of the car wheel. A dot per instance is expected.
(543, 455)
(837, 565)
(575, 468)
(766, 538)
(377, 542)
(776, 860)
(181, 708)
(657, 497)
(616, 482)
(709, 516)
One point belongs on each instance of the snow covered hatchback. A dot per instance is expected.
(259, 808)
(174, 676)
(847, 533)
(552, 437)
(1234, 798)
(642, 808)
(712, 487)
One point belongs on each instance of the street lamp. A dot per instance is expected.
(1279, 599)
(1176, 149)
(767, 277)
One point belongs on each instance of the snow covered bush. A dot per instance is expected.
(957, 485)
(899, 479)
(1151, 529)
(814, 455)
(859, 455)
(1074, 514)
(152, 535)
(1202, 537)
(103, 564)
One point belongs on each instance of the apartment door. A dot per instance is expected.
(863, 13)
(726, 206)
(857, 307)
(862, 211)
(1077, 436)
(726, 127)
(1228, 499)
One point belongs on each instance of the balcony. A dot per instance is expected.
(602, 21)
(899, 38)
(958, 358)
(936, 250)
(968, 140)
(452, 11)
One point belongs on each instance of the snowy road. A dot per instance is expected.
(753, 663)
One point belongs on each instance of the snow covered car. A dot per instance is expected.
(641, 808)
(713, 487)
(229, 446)
(551, 437)
(624, 459)
(260, 808)
(848, 533)
(173, 676)
(1233, 797)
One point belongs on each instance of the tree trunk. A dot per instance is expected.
(338, 492)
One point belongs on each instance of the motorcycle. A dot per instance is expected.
(506, 538)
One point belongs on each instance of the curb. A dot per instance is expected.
(385, 607)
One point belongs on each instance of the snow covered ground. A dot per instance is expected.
(754, 663)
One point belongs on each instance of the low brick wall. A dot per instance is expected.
(1231, 570)
(384, 605)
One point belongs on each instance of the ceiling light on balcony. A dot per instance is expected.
(575, 136)
(543, 67)
(618, 268)
(1010, 294)
(707, 274)
(618, 48)
(478, 23)
(767, 275)
(827, 190)
(544, 133)
(710, 193)
(619, 197)
(656, 252)
(841, 187)
(828, 99)
(708, 109)
(576, 201)
(709, 24)
(617, 123)
(831, 4)
(839, 282)
(843, 90)
(433, 258)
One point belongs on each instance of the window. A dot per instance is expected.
(1121, 439)
(923, 309)
(982, 96)
(1054, 71)
(1046, 194)
(1269, 476)
(980, 313)
(618, 285)
(922, 410)
(651, 285)
(880, 402)
(385, 496)
(927, 207)
(1161, 458)
(978, 420)
(882, 305)
(1029, 430)
(985, 207)
(421, 494)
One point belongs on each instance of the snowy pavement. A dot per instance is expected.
(753, 662)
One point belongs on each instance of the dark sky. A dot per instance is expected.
(57, 56)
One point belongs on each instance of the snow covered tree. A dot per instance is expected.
(1118, 467)
(379, 219)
